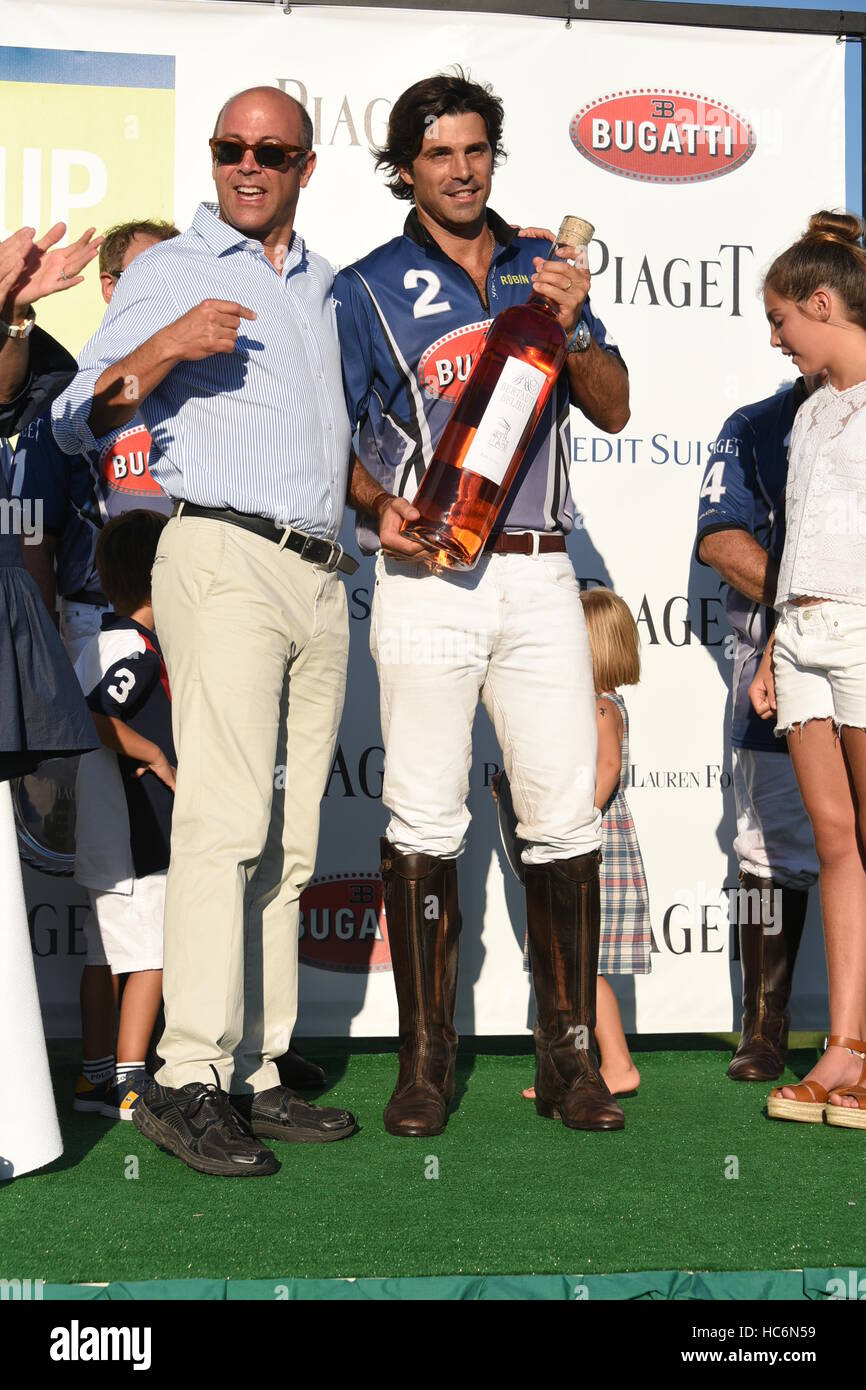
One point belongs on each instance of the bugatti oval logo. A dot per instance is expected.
(124, 464)
(342, 924)
(446, 364)
(662, 136)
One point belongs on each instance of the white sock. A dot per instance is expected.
(125, 1069)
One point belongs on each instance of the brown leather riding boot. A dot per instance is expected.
(767, 958)
(423, 927)
(563, 917)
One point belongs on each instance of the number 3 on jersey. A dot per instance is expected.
(712, 488)
(125, 681)
(425, 304)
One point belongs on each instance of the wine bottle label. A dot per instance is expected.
(506, 415)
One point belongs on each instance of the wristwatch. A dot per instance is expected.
(581, 338)
(19, 330)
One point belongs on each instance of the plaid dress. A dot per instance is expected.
(625, 924)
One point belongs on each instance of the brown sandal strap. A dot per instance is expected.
(809, 1088)
(857, 1092)
(853, 1044)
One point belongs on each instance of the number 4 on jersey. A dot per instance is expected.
(712, 487)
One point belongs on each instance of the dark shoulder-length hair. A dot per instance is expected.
(417, 108)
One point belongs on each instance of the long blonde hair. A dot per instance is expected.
(613, 639)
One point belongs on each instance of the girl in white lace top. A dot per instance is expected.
(813, 674)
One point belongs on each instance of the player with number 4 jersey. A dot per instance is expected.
(741, 534)
(743, 489)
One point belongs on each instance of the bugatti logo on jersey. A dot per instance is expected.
(662, 136)
(342, 924)
(124, 464)
(447, 363)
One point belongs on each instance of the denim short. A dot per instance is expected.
(819, 664)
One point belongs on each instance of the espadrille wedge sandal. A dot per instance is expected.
(850, 1116)
(810, 1103)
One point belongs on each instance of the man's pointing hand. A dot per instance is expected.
(210, 327)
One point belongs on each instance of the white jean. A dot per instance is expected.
(774, 834)
(511, 631)
(819, 664)
(79, 624)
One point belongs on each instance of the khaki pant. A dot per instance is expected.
(256, 643)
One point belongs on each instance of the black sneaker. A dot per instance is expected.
(198, 1125)
(298, 1073)
(279, 1114)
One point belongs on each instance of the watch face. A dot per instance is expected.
(581, 338)
(18, 330)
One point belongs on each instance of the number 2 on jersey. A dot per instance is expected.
(425, 304)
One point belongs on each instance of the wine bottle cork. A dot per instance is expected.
(575, 231)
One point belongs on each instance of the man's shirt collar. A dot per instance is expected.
(414, 229)
(222, 237)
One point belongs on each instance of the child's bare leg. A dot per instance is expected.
(98, 998)
(138, 1010)
(617, 1068)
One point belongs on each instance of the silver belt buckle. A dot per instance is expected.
(336, 556)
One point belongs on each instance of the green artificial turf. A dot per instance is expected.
(515, 1194)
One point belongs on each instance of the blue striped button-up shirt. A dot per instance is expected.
(263, 429)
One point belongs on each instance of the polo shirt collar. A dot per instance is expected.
(414, 229)
(222, 237)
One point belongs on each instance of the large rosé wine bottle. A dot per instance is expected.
(490, 427)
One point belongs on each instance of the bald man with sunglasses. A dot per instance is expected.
(225, 340)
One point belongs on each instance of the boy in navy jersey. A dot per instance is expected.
(124, 834)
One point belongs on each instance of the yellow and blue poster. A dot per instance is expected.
(86, 139)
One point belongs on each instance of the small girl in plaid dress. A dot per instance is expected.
(626, 939)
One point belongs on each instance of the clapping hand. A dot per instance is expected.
(30, 269)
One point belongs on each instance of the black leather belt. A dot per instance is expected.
(311, 548)
(91, 596)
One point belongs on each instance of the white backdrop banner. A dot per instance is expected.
(697, 154)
